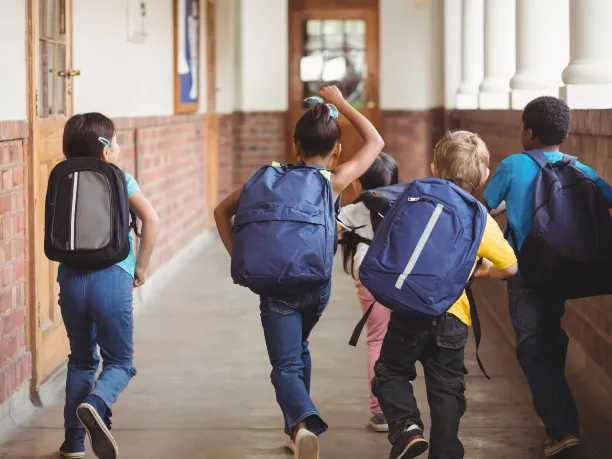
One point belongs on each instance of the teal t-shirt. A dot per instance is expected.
(129, 264)
(513, 182)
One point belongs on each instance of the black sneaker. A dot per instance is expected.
(410, 444)
(555, 447)
(74, 444)
(95, 416)
(378, 423)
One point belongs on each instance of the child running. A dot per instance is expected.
(541, 342)
(97, 307)
(287, 319)
(439, 344)
(356, 220)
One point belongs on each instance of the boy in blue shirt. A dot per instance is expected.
(541, 342)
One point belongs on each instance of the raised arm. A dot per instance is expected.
(351, 170)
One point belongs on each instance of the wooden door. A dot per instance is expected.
(334, 43)
(211, 96)
(50, 77)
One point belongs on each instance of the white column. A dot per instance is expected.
(472, 54)
(588, 77)
(452, 51)
(499, 53)
(542, 52)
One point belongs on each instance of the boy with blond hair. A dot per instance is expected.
(462, 158)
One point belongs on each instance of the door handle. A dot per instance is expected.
(371, 104)
(69, 73)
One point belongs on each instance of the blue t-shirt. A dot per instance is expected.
(513, 182)
(129, 264)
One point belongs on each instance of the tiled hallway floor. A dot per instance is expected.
(203, 389)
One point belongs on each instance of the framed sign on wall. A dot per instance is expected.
(186, 56)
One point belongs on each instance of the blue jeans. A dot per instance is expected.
(97, 309)
(541, 349)
(287, 322)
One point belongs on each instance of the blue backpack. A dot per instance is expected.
(423, 252)
(568, 250)
(284, 231)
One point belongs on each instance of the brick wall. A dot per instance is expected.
(226, 153)
(15, 361)
(259, 139)
(167, 156)
(410, 136)
(589, 321)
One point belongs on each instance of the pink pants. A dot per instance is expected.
(376, 328)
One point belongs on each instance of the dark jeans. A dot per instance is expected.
(439, 346)
(541, 349)
(287, 322)
(97, 310)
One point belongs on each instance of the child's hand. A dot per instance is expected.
(331, 95)
(484, 269)
(140, 276)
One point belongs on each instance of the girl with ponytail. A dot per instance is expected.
(357, 234)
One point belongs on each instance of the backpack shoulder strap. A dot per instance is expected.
(475, 318)
(359, 328)
(538, 157)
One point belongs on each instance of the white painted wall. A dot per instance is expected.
(411, 56)
(118, 77)
(13, 60)
(264, 44)
(228, 50)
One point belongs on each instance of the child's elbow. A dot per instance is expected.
(151, 219)
(510, 271)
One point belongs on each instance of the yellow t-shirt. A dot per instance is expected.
(494, 248)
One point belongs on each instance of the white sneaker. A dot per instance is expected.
(289, 444)
(306, 445)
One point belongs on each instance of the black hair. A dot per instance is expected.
(81, 134)
(382, 172)
(317, 132)
(549, 119)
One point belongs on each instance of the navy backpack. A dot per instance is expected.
(568, 250)
(284, 231)
(424, 249)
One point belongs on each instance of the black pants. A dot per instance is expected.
(541, 350)
(439, 345)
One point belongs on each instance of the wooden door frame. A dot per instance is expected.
(300, 10)
(32, 226)
(212, 122)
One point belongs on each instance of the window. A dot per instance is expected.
(334, 53)
(52, 54)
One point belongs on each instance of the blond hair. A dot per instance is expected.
(462, 156)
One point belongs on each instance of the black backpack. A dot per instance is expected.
(568, 251)
(87, 214)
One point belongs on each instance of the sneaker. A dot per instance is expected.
(74, 444)
(554, 447)
(306, 445)
(410, 444)
(95, 416)
(378, 423)
(289, 443)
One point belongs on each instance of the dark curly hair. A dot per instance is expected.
(317, 132)
(549, 119)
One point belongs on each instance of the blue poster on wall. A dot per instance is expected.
(188, 62)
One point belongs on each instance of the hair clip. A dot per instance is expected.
(104, 142)
(314, 100)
